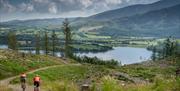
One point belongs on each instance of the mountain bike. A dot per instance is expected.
(23, 86)
(36, 87)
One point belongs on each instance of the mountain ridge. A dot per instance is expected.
(135, 9)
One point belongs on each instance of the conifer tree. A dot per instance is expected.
(68, 38)
(54, 38)
(46, 43)
(37, 40)
(12, 41)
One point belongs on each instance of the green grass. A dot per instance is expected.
(94, 36)
(4, 88)
(111, 84)
(12, 63)
(178, 40)
(67, 77)
(73, 73)
(60, 86)
(147, 72)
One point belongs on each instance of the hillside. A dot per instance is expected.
(146, 76)
(13, 63)
(35, 22)
(159, 19)
(164, 22)
(135, 9)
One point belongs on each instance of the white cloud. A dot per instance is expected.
(6, 6)
(86, 3)
(41, 1)
(26, 7)
(30, 7)
(53, 8)
(113, 1)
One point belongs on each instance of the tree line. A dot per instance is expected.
(169, 50)
(169, 47)
(45, 42)
(96, 61)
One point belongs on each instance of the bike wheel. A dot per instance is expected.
(23, 86)
(36, 89)
(23, 89)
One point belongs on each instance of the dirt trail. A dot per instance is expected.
(17, 87)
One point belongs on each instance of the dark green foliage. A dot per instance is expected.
(95, 61)
(37, 43)
(167, 48)
(54, 38)
(170, 47)
(46, 43)
(154, 54)
(68, 38)
(12, 41)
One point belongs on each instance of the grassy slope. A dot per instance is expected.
(70, 73)
(4, 88)
(160, 75)
(13, 63)
(149, 72)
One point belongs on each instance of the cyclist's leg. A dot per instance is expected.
(37, 86)
(23, 86)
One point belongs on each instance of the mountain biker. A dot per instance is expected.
(36, 81)
(23, 81)
(23, 78)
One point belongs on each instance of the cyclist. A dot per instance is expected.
(36, 81)
(23, 81)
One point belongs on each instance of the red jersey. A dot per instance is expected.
(36, 79)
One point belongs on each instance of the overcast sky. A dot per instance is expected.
(31, 9)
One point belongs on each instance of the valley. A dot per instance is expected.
(120, 45)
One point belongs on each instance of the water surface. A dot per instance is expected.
(125, 55)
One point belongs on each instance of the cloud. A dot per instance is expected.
(86, 3)
(26, 7)
(5, 6)
(62, 7)
(113, 1)
(41, 1)
(53, 8)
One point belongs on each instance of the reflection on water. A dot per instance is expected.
(126, 55)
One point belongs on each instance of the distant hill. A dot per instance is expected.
(159, 19)
(164, 22)
(135, 9)
(36, 22)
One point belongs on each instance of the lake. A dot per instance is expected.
(3, 46)
(125, 55)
